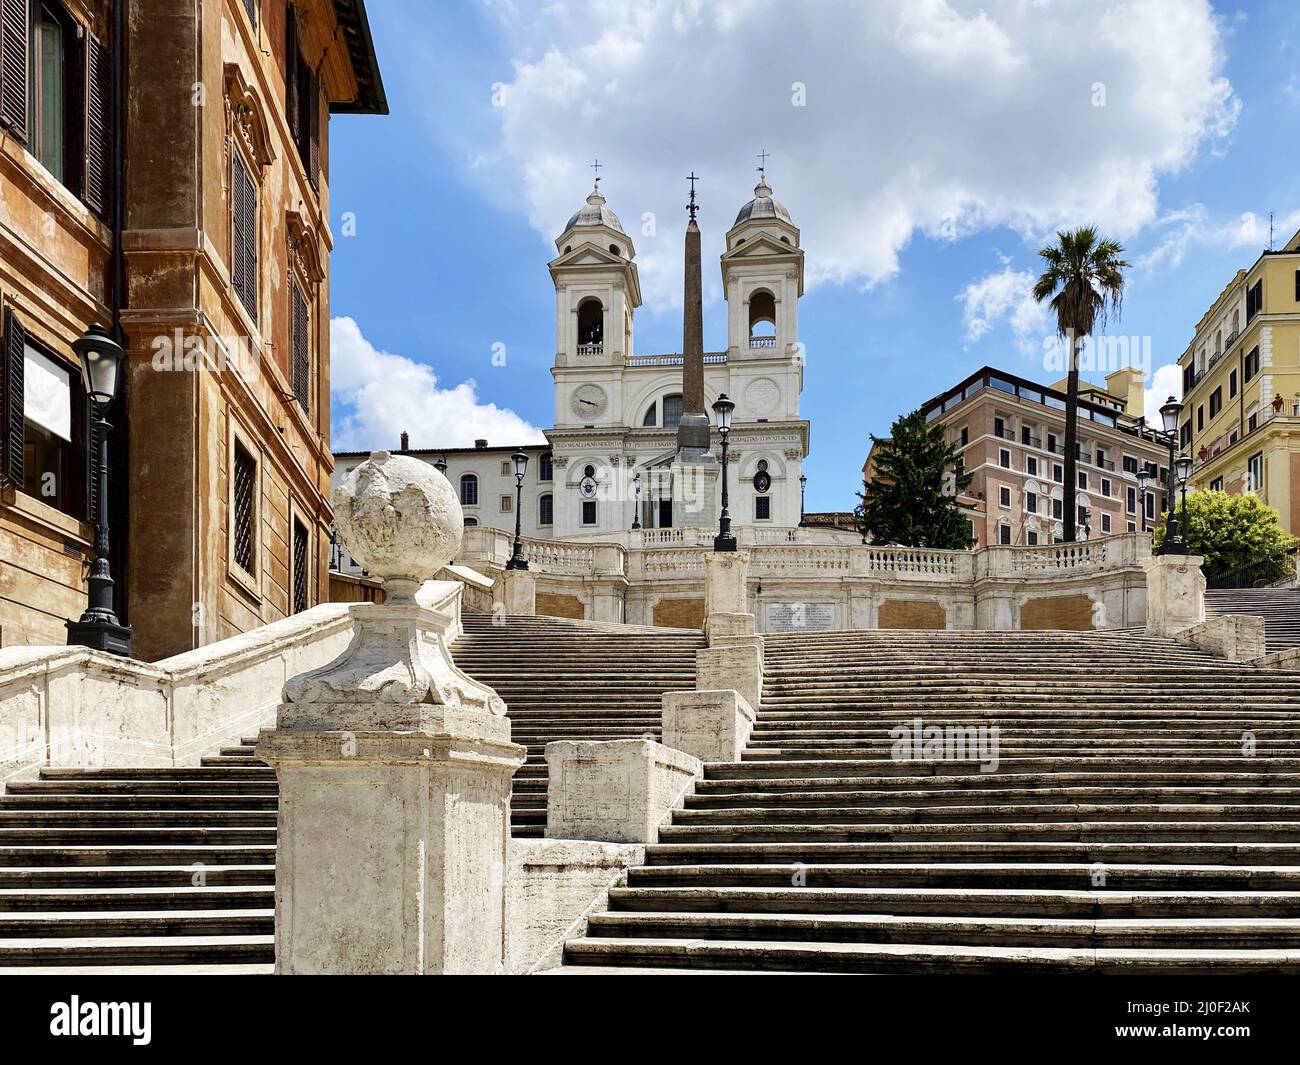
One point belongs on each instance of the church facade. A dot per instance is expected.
(628, 448)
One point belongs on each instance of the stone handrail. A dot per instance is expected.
(74, 707)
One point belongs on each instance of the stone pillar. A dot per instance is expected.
(726, 607)
(518, 592)
(734, 662)
(394, 767)
(617, 791)
(1175, 593)
(714, 726)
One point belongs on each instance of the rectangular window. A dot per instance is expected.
(1058, 473)
(1189, 377)
(1216, 485)
(301, 596)
(301, 349)
(1254, 299)
(302, 102)
(506, 470)
(1185, 433)
(546, 467)
(1057, 509)
(251, 7)
(546, 510)
(243, 249)
(1132, 527)
(1031, 502)
(1297, 286)
(1254, 473)
(762, 508)
(1105, 486)
(1004, 496)
(1216, 401)
(1081, 517)
(468, 490)
(1232, 384)
(588, 512)
(1130, 500)
(1200, 417)
(1004, 458)
(1051, 442)
(1149, 505)
(1032, 537)
(1130, 464)
(1004, 534)
(999, 427)
(507, 504)
(965, 435)
(243, 520)
(1251, 366)
(1031, 465)
(1105, 523)
(1083, 478)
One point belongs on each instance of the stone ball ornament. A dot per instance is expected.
(399, 518)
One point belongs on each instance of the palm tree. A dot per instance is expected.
(1085, 279)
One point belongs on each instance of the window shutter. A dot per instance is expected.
(15, 340)
(98, 131)
(301, 351)
(237, 184)
(291, 73)
(250, 246)
(313, 130)
(15, 41)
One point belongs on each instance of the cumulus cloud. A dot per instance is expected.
(378, 394)
(1165, 382)
(1005, 296)
(1187, 228)
(888, 119)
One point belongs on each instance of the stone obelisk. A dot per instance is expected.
(693, 429)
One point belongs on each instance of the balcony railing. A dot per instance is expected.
(592, 349)
(1004, 432)
(762, 342)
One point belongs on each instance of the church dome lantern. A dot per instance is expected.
(762, 206)
(594, 213)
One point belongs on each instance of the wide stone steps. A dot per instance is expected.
(1143, 816)
(171, 948)
(1279, 607)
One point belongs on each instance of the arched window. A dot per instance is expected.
(672, 410)
(591, 323)
(470, 521)
(468, 490)
(652, 415)
(545, 467)
(762, 314)
(546, 509)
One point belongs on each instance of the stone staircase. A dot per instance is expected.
(140, 868)
(1124, 830)
(567, 680)
(1279, 607)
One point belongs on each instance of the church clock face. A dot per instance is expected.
(589, 402)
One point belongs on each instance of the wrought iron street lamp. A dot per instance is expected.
(101, 360)
(636, 501)
(1183, 466)
(517, 560)
(1144, 483)
(1173, 543)
(725, 540)
(803, 491)
(441, 465)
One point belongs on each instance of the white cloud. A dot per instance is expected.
(1165, 382)
(383, 394)
(1006, 296)
(1182, 230)
(921, 115)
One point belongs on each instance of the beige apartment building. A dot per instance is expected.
(1241, 386)
(1011, 433)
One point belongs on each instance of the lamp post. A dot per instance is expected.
(1144, 483)
(517, 560)
(803, 491)
(441, 465)
(1173, 544)
(1184, 468)
(101, 360)
(725, 540)
(636, 501)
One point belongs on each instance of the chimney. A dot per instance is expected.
(480, 444)
(406, 441)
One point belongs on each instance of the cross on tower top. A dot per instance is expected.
(692, 207)
(762, 164)
(596, 167)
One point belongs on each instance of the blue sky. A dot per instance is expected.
(936, 146)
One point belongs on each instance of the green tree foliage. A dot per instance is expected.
(1234, 533)
(911, 498)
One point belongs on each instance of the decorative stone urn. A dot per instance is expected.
(394, 767)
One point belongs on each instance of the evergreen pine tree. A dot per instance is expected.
(911, 498)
